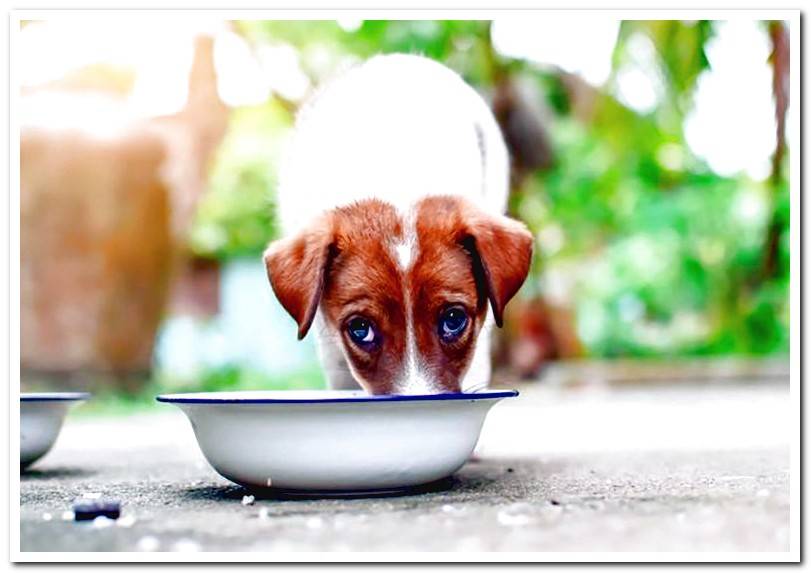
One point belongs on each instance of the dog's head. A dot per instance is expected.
(406, 295)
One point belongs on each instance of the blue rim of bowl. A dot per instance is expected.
(54, 396)
(186, 399)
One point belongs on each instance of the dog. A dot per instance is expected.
(391, 200)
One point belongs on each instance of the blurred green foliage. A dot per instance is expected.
(664, 257)
(235, 217)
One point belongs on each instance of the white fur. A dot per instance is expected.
(405, 254)
(414, 380)
(406, 251)
(397, 128)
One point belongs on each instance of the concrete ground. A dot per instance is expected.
(668, 467)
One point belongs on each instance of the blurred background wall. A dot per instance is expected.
(650, 159)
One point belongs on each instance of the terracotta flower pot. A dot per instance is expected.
(95, 250)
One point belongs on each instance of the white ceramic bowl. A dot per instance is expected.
(41, 417)
(335, 441)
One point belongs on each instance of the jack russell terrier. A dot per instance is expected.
(391, 199)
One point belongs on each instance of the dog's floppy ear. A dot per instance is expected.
(297, 268)
(501, 249)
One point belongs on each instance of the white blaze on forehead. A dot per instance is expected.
(405, 251)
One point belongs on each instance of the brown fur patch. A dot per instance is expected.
(464, 257)
(442, 276)
(364, 281)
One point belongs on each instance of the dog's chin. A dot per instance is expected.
(374, 390)
(418, 388)
(377, 391)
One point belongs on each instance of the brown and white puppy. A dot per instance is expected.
(396, 250)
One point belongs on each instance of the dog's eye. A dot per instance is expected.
(452, 323)
(361, 331)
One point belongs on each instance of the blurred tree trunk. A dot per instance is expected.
(192, 137)
(780, 87)
(522, 125)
